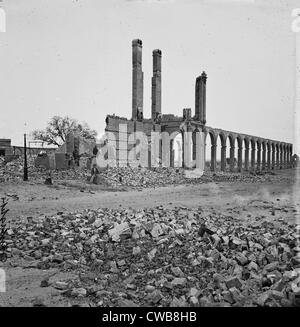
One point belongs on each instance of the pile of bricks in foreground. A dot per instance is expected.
(162, 257)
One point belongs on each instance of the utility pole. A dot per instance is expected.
(25, 177)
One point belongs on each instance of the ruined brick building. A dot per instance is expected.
(5, 147)
(253, 152)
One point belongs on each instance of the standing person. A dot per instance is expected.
(94, 174)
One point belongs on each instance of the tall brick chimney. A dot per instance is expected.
(137, 80)
(156, 84)
(200, 98)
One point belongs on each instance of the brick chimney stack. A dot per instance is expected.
(156, 84)
(200, 98)
(137, 80)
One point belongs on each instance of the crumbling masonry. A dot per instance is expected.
(254, 153)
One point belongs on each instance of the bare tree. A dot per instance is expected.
(59, 127)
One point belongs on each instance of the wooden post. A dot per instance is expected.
(25, 177)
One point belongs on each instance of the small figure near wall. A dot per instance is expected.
(94, 174)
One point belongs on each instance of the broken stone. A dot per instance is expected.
(113, 267)
(204, 301)
(60, 285)
(277, 295)
(127, 303)
(271, 266)
(45, 241)
(286, 303)
(290, 274)
(235, 294)
(38, 254)
(233, 282)
(178, 281)
(156, 231)
(136, 250)
(194, 292)
(227, 297)
(177, 272)
(154, 297)
(149, 288)
(79, 292)
(58, 258)
(262, 299)
(253, 266)
(180, 231)
(151, 254)
(121, 263)
(194, 301)
(179, 302)
(120, 229)
(241, 259)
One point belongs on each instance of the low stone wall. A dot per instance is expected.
(19, 150)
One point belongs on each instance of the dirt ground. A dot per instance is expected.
(275, 200)
(37, 198)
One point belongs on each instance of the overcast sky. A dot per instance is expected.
(73, 57)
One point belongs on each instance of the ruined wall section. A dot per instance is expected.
(5, 147)
(122, 128)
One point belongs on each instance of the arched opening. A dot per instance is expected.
(283, 155)
(273, 157)
(239, 153)
(284, 164)
(277, 159)
(228, 146)
(177, 149)
(263, 155)
(231, 158)
(246, 144)
(209, 150)
(268, 154)
(195, 146)
(286, 156)
(221, 152)
(280, 156)
(290, 156)
(252, 154)
(235, 155)
(258, 154)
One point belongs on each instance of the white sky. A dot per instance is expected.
(73, 57)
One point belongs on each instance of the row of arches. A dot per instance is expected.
(237, 152)
(227, 151)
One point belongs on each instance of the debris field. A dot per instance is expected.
(158, 256)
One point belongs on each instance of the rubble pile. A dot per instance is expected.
(162, 257)
(75, 173)
(13, 171)
(160, 176)
(248, 177)
(142, 177)
(127, 176)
